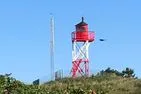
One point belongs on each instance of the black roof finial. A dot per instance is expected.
(82, 19)
(82, 22)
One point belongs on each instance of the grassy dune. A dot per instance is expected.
(108, 83)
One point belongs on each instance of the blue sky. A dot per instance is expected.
(25, 29)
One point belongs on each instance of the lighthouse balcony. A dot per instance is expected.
(82, 36)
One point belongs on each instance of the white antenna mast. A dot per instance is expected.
(52, 46)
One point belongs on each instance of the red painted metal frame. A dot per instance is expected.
(81, 70)
(79, 36)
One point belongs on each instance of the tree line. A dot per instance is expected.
(128, 72)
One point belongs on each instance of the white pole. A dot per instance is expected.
(52, 47)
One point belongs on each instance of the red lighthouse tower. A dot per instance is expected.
(81, 39)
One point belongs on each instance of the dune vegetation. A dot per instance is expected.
(107, 81)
